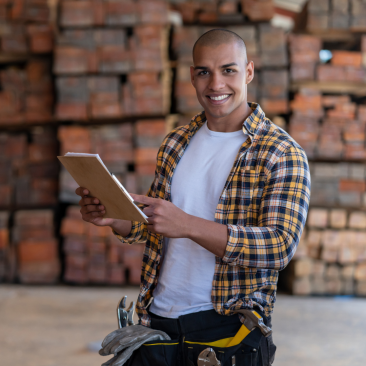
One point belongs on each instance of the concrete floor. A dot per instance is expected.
(52, 326)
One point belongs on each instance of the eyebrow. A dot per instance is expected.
(223, 66)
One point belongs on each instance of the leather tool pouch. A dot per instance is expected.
(246, 353)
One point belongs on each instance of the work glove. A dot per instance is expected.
(122, 342)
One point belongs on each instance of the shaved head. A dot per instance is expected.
(217, 37)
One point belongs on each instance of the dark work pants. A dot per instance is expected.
(205, 326)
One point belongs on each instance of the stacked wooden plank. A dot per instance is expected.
(337, 14)
(25, 27)
(266, 47)
(223, 11)
(129, 65)
(26, 94)
(93, 255)
(36, 246)
(331, 258)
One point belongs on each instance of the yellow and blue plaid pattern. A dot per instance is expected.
(264, 205)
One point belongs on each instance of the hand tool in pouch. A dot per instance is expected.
(126, 339)
(208, 358)
(252, 320)
(125, 317)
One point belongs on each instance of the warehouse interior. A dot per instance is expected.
(111, 77)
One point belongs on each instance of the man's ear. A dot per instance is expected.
(192, 74)
(249, 72)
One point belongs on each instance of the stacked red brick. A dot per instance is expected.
(29, 169)
(338, 185)
(26, 94)
(341, 135)
(266, 46)
(223, 11)
(149, 134)
(25, 27)
(345, 66)
(331, 258)
(138, 80)
(336, 14)
(25, 90)
(4, 245)
(304, 56)
(129, 151)
(94, 255)
(113, 143)
(36, 246)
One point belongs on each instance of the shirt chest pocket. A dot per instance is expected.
(243, 197)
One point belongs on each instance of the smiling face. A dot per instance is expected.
(220, 76)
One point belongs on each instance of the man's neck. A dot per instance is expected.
(230, 123)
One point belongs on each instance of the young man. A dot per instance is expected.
(226, 211)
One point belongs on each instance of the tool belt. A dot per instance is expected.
(195, 342)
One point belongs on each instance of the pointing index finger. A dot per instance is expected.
(143, 199)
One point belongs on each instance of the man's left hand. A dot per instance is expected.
(164, 217)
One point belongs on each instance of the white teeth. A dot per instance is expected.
(221, 97)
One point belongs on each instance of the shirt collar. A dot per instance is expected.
(250, 125)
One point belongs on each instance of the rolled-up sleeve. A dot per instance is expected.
(137, 234)
(281, 217)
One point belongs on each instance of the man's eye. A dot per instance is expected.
(229, 71)
(204, 72)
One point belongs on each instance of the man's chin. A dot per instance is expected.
(217, 114)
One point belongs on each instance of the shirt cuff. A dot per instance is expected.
(235, 236)
(131, 237)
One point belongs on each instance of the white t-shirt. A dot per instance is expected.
(187, 270)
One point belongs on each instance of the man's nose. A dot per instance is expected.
(216, 81)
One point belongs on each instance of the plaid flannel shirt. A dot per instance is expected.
(264, 204)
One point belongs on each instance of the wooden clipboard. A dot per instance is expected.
(89, 172)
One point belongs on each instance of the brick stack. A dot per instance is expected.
(266, 46)
(336, 14)
(25, 27)
(29, 169)
(223, 11)
(26, 94)
(113, 143)
(36, 247)
(330, 127)
(93, 255)
(338, 185)
(37, 181)
(331, 258)
(149, 134)
(304, 56)
(129, 151)
(345, 66)
(327, 126)
(4, 245)
(131, 75)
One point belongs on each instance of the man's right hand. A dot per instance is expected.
(91, 209)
